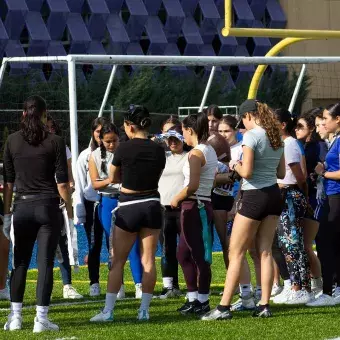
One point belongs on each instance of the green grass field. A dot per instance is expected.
(165, 323)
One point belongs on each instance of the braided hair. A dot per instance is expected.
(107, 127)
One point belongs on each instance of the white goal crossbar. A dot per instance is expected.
(72, 60)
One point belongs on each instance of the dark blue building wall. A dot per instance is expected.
(149, 27)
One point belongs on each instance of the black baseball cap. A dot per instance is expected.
(249, 105)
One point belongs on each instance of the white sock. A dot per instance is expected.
(110, 300)
(203, 298)
(192, 296)
(245, 289)
(167, 282)
(146, 299)
(42, 312)
(287, 283)
(16, 308)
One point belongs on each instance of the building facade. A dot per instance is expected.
(134, 27)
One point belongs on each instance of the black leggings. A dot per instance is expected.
(280, 259)
(40, 220)
(328, 245)
(168, 240)
(94, 234)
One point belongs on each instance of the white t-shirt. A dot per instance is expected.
(236, 151)
(293, 155)
(172, 179)
(208, 171)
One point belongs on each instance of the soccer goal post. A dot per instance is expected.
(114, 60)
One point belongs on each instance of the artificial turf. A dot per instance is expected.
(288, 322)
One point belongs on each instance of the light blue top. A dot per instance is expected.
(266, 160)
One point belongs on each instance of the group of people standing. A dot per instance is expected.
(265, 191)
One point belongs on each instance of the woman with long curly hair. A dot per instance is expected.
(259, 205)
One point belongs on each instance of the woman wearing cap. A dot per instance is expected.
(85, 211)
(248, 298)
(138, 165)
(99, 166)
(35, 162)
(172, 178)
(259, 206)
(196, 214)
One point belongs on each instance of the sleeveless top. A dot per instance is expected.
(208, 171)
(97, 157)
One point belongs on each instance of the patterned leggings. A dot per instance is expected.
(290, 236)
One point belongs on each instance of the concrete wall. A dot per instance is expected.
(323, 15)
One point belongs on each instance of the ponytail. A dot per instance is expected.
(33, 129)
(103, 158)
(268, 121)
(199, 124)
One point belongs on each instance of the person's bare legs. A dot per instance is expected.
(149, 239)
(310, 230)
(220, 221)
(257, 262)
(244, 231)
(264, 242)
(122, 242)
(4, 253)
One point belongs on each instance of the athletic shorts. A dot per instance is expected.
(220, 202)
(257, 204)
(137, 215)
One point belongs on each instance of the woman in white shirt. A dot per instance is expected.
(196, 214)
(172, 178)
(290, 229)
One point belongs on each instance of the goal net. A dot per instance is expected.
(74, 87)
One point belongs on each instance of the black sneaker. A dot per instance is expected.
(215, 314)
(262, 312)
(187, 308)
(201, 307)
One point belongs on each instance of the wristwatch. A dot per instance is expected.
(323, 174)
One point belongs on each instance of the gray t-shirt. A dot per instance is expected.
(266, 160)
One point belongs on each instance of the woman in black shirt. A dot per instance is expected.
(138, 165)
(35, 162)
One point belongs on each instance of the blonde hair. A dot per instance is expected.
(267, 119)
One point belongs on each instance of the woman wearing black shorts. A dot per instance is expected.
(259, 206)
(35, 161)
(138, 165)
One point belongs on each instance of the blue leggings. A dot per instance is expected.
(105, 208)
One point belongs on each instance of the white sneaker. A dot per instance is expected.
(143, 315)
(323, 300)
(276, 290)
(121, 293)
(4, 294)
(95, 289)
(138, 294)
(336, 296)
(300, 297)
(103, 317)
(44, 326)
(13, 323)
(284, 296)
(70, 292)
(244, 303)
